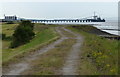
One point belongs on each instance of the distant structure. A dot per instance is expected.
(97, 19)
(93, 18)
(10, 18)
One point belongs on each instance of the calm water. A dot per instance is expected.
(108, 26)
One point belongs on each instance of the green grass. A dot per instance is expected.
(8, 29)
(100, 56)
(43, 36)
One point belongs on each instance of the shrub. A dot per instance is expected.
(10, 22)
(3, 36)
(23, 34)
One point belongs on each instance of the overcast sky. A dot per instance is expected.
(56, 10)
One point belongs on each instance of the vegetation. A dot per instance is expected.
(23, 34)
(43, 36)
(100, 56)
(3, 36)
(10, 22)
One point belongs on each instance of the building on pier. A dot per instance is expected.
(10, 18)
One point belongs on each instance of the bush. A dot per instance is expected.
(3, 36)
(10, 22)
(23, 34)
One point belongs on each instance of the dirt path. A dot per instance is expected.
(72, 60)
(70, 65)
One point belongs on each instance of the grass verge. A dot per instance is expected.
(100, 55)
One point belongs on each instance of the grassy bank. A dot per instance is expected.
(100, 55)
(44, 35)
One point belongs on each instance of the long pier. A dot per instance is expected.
(67, 20)
(94, 18)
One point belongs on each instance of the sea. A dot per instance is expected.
(111, 27)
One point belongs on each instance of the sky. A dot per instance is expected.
(59, 10)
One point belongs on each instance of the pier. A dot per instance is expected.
(94, 18)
